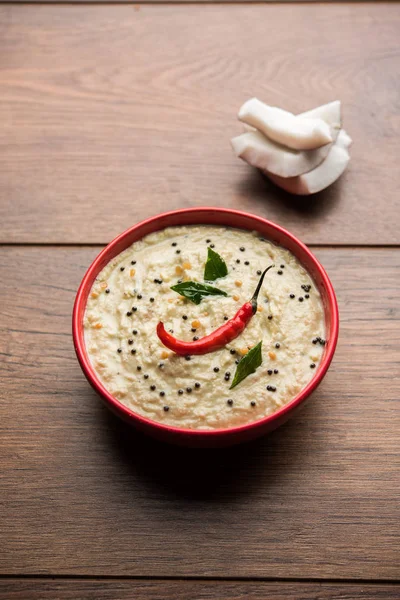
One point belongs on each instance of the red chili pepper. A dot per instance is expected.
(218, 338)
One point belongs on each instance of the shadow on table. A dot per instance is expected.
(263, 191)
(204, 474)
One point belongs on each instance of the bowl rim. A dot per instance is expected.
(131, 416)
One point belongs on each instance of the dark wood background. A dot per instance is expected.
(113, 112)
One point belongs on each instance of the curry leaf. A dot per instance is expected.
(215, 266)
(248, 365)
(196, 291)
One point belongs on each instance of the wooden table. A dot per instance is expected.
(113, 112)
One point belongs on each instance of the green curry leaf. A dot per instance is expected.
(215, 266)
(194, 291)
(248, 365)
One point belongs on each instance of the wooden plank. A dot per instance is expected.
(138, 4)
(110, 114)
(82, 494)
(35, 589)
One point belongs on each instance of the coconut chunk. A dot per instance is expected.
(297, 133)
(322, 176)
(260, 152)
(331, 113)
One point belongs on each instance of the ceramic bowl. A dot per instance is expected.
(223, 217)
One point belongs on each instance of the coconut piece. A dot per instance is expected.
(262, 153)
(322, 176)
(330, 113)
(284, 127)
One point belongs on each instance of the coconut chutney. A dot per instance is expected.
(132, 294)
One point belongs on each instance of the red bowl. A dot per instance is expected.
(208, 216)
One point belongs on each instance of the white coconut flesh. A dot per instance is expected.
(330, 113)
(285, 128)
(262, 153)
(322, 176)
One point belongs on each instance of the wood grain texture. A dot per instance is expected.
(82, 494)
(111, 114)
(15, 589)
(137, 5)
